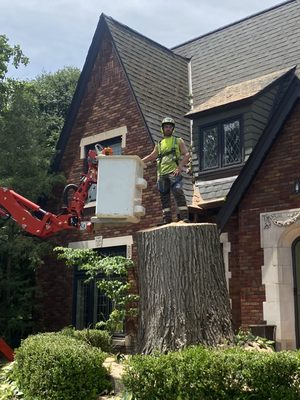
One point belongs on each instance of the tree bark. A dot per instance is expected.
(182, 286)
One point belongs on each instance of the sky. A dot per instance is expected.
(57, 33)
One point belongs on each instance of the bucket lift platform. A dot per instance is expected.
(119, 190)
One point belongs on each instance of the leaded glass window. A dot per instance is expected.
(232, 142)
(210, 148)
(221, 145)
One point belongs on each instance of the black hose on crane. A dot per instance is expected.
(67, 189)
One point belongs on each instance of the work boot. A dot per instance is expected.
(184, 216)
(183, 219)
(167, 216)
(162, 222)
(166, 220)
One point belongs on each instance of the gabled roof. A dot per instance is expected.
(158, 79)
(259, 153)
(240, 91)
(260, 44)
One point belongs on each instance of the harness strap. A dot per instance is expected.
(166, 153)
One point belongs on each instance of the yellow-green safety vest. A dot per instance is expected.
(168, 151)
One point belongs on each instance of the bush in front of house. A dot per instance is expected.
(199, 373)
(56, 367)
(8, 388)
(94, 337)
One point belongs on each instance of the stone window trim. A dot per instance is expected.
(226, 245)
(99, 242)
(100, 137)
(278, 231)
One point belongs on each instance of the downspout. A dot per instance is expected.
(190, 85)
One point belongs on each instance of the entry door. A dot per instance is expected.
(296, 271)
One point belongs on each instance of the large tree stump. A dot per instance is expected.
(182, 286)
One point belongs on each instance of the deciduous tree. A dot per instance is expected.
(182, 288)
(31, 116)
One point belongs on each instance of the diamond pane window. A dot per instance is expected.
(210, 148)
(221, 144)
(232, 143)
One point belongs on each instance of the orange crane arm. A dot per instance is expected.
(41, 223)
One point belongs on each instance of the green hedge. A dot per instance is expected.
(52, 366)
(199, 373)
(100, 339)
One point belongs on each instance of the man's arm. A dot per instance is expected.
(152, 156)
(185, 157)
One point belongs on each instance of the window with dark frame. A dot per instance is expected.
(90, 304)
(221, 144)
(114, 143)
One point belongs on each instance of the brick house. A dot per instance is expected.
(234, 94)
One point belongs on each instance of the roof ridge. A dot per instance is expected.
(107, 17)
(234, 23)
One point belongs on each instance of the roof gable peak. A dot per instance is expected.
(152, 42)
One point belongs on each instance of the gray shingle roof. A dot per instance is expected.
(215, 189)
(258, 45)
(240, 91)
(159, 79)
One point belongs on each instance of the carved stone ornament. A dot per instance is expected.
(277, 219)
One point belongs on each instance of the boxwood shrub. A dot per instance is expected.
(199, 373)
(94, 337)
(56, 367)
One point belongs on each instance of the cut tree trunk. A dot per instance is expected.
(182, 286)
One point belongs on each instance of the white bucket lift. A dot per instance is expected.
(119, 190)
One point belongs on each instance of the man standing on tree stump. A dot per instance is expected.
(167, 153)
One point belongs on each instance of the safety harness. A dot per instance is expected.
(162, 154)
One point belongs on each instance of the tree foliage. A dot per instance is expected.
(31, 117)
(24, 167)
(9, 54)
(114, 285)
(54, 94)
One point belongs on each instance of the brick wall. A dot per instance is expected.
(54, 296)
(108, 104)
(271, 190)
